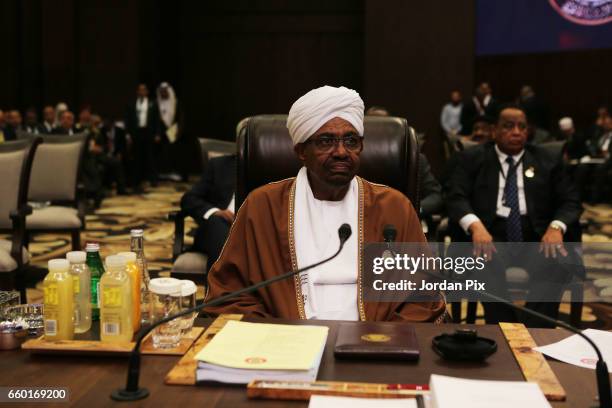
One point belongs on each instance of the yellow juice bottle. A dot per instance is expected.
(58, 301)
(116, 298)
(134, 273)
(82, 290)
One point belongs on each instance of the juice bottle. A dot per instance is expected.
(58, 301)
(96, 270)
(115, 302)
(134, 273)
(137, 246)
(82, 290)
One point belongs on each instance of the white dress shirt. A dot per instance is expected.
(501, 210)
(142, 106)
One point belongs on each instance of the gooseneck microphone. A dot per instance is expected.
(601, 368)
(133, 392)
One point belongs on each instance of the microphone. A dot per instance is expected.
(133, 392)
(601, 368)
(389, 233)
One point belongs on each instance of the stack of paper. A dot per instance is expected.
(242, 352)
(577, 351)
(454, 392)
(323, 401)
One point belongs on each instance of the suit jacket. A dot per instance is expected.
(215, 188)
(431, 191)
(469, 112)
(550, 194)
(61, 131)
(131, 117)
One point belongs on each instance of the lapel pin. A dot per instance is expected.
(530, 172)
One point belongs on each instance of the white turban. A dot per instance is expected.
(318, 106)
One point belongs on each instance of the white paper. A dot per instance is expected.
(577, 351)
(447, 392)
(324, 401)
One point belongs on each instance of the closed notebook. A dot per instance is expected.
(377, 341)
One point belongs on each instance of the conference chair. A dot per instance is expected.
(15, 166)
(190, 264)
(211, 148)
(54, 186)
(390, 154)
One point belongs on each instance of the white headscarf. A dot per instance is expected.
(320, 105)
(167, 107)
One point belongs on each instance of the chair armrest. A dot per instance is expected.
(179, 231)
(19, 232)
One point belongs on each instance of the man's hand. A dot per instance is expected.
(552, 242)
(157, 138)
(227, 215)
(482, 240)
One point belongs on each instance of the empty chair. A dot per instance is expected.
(15, 166)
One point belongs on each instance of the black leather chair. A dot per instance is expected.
(265, 154)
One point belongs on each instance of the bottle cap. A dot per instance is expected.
(76, 257)
(92, 247)
(115, 261)
(60, 264)
(129, 256)
(165, 286)
(188, 288)
(137, 232)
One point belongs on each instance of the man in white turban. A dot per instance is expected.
(293, 223)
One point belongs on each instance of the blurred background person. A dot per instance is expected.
(450, 118)
(48, 123)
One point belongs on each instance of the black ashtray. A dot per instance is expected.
(463, 345)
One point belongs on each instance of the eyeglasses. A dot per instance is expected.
(509, 126)
(328, 143)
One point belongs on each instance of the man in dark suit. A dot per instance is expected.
(481, 104)
(507, 191)
(142, 126)
(210, 203)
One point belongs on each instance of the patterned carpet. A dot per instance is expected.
(110, 226)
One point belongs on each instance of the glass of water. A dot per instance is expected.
(166, 301)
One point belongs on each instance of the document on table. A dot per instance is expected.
(577, 351)
(324, 401)
(242, 352)
(446, 392)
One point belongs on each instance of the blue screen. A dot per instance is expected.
(533, 26)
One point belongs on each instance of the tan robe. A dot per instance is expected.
(261, 245)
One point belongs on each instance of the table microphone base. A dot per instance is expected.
(125, 395)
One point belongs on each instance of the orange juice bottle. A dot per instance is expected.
(134, 273)
(116, 302)
(58, 301)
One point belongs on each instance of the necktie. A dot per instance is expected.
(514, 232)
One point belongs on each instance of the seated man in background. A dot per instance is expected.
(210, 203)
(66, 124)
(292, 223)
(508, 191)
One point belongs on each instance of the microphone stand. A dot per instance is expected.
(133, 392)
(601, 368)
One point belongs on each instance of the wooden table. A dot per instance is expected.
(91, 379)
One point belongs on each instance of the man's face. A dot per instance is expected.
(142, 91)
(481, 132)
(13, 118)
(163, 92)
(455, 97)
(67, 120)
(510, 132)
(85, 117)
(331, 162)
(49, 114)
(31, 118)
(2, 119)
